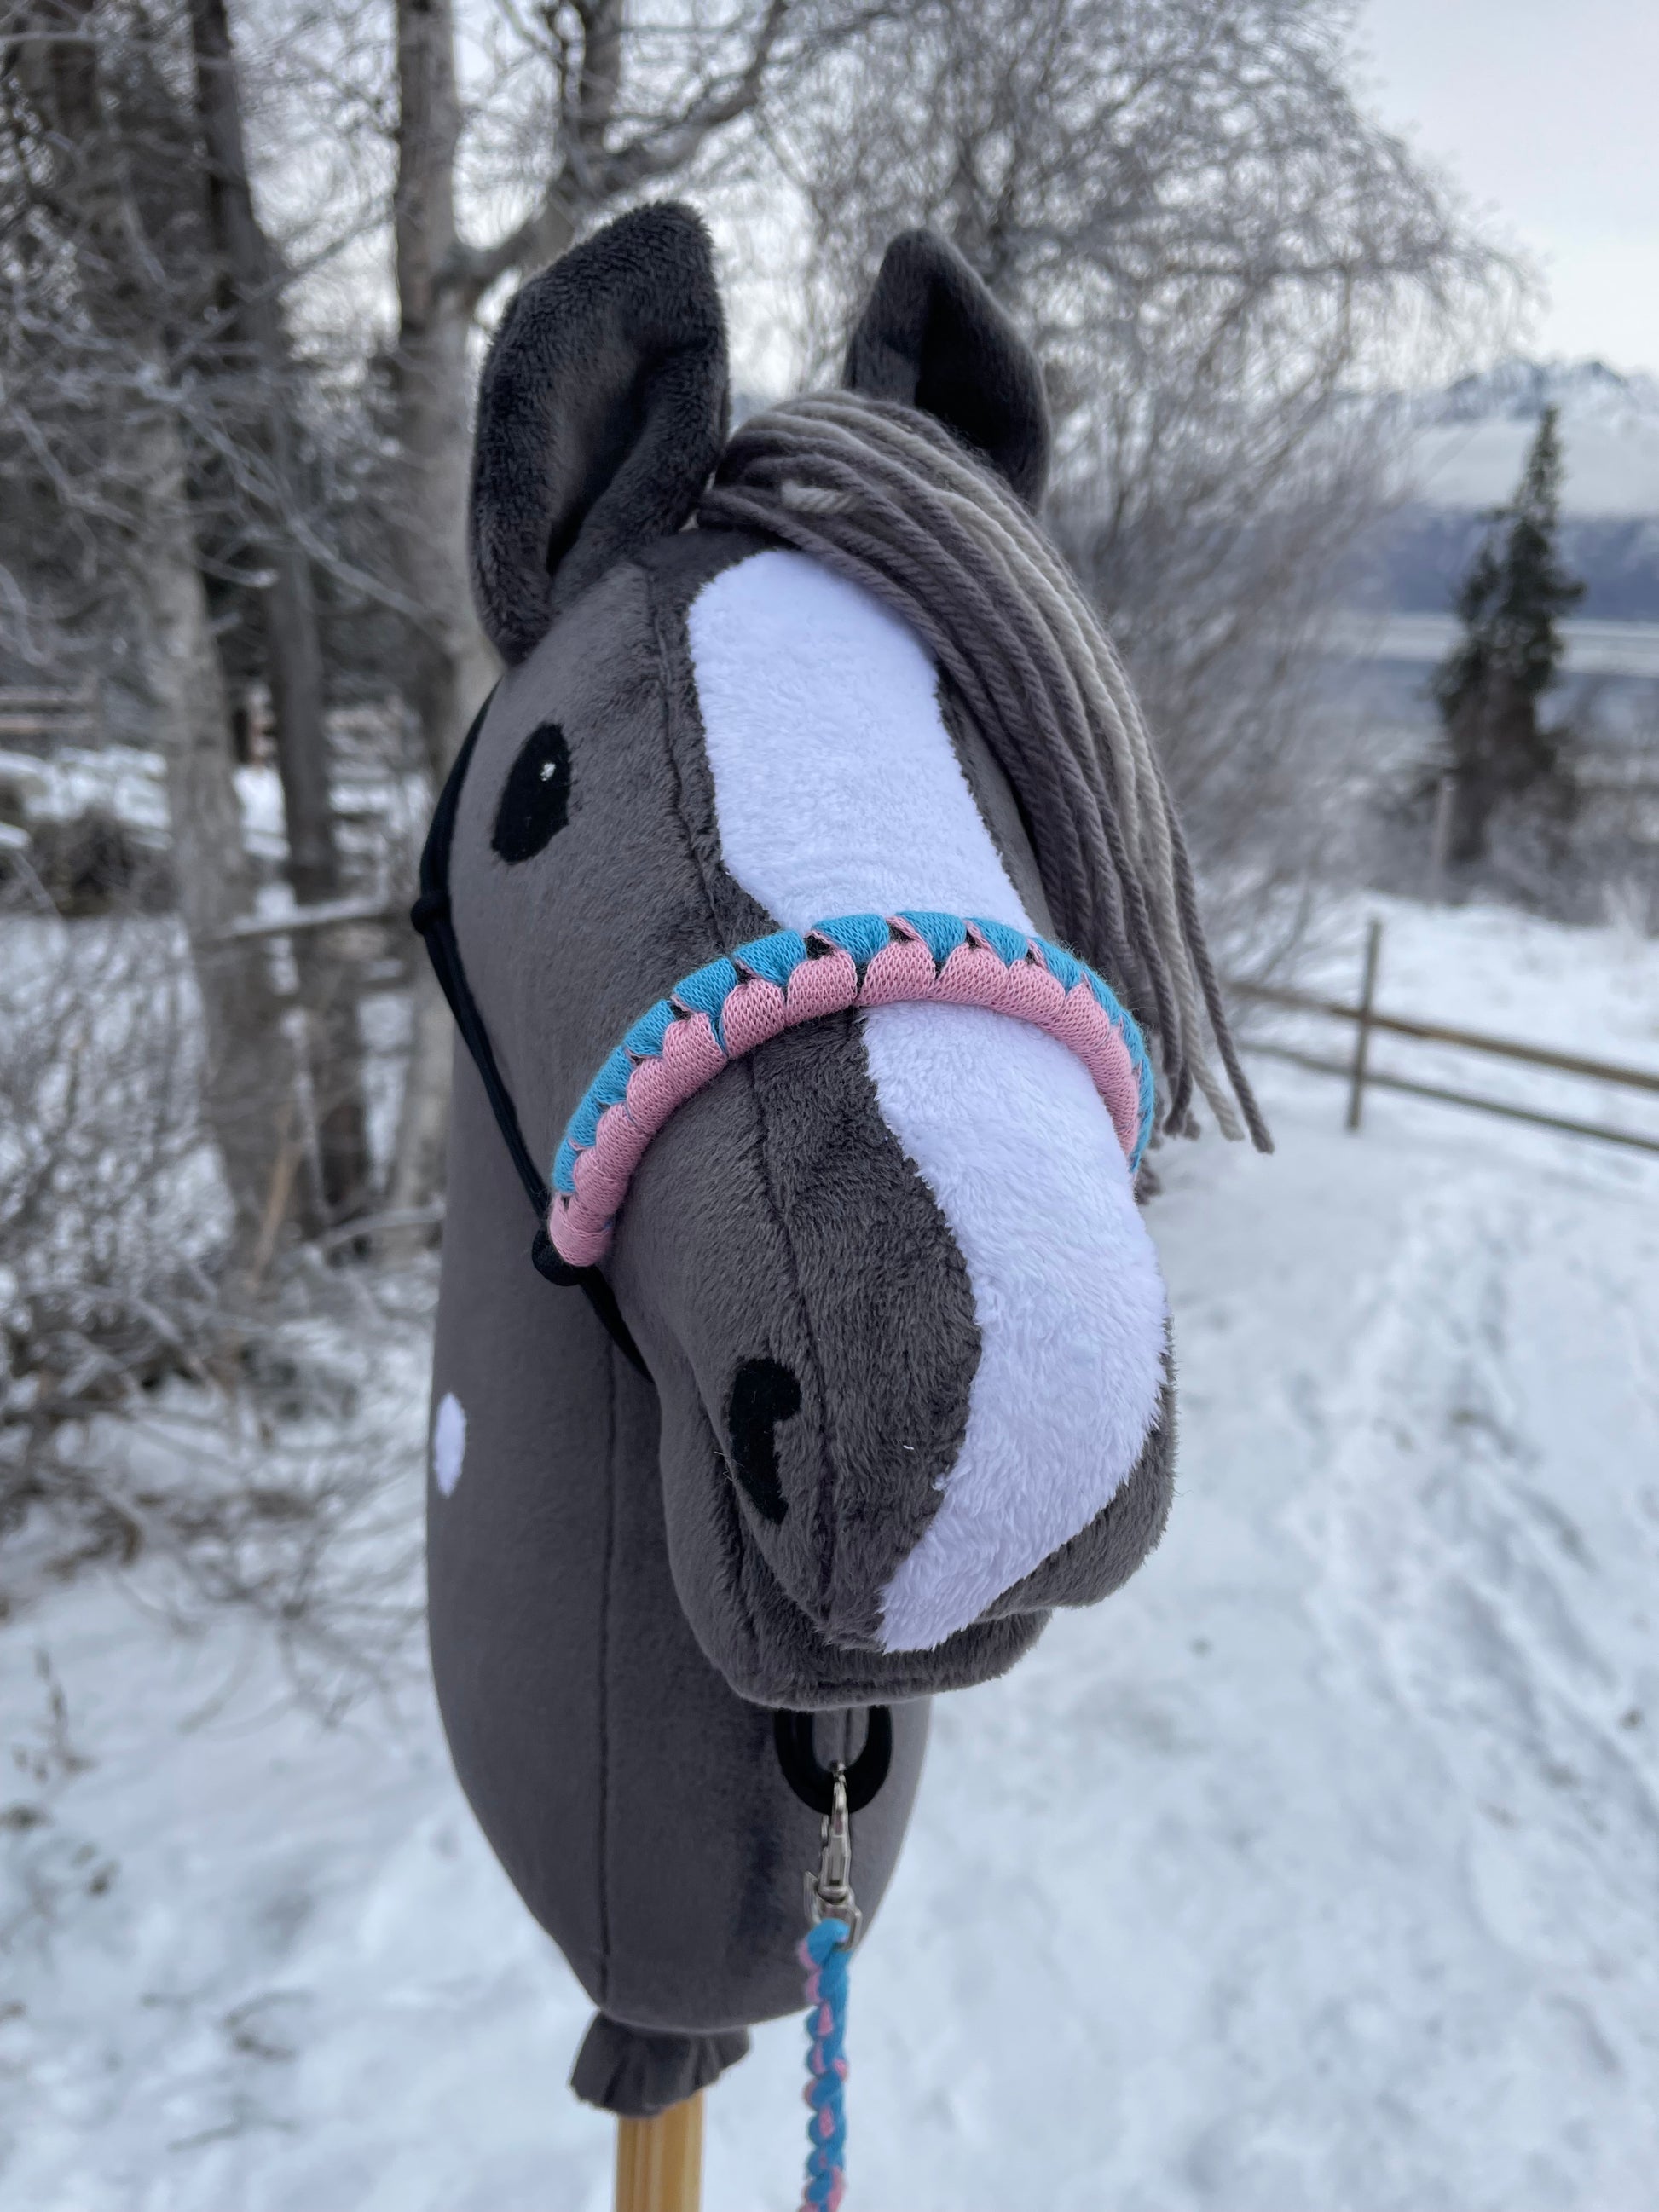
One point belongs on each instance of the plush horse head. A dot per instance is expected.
(816, 922)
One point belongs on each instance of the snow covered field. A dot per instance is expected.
(1319, 1868)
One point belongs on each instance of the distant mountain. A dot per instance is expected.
(1466, 445)
(1518, 391)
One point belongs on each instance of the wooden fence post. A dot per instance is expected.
(660, 2161)
(1363, 1030)
(1445, 801)
(1356, 1072)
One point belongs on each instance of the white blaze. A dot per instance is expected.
(838, 790)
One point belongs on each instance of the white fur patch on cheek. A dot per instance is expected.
(1009, 1135)
(448, 1444)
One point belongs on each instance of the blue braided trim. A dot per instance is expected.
(776, 958)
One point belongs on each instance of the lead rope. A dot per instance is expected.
(825, 1951)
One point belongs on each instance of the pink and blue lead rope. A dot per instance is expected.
(824, 1953)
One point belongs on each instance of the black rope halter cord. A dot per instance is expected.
(434, 918)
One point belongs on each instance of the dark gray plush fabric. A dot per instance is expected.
(775, 1218)
(636, 1802)
(602, 408)
(639, 2072)
(932, 337)
(626, 1571)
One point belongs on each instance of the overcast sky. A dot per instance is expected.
(1547, 112)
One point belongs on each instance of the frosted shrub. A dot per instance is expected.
(249, 1431)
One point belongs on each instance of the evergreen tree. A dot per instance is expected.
(1488, 689)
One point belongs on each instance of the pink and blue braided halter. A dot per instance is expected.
(720, 1011)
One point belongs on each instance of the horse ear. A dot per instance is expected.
(602, 410)
(932, 337)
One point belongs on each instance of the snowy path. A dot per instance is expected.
(1318, 1869)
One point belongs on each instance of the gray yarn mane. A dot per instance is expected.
(884, 497)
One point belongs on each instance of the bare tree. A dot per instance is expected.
(94, 210)
(256, 350)
(1211, 241)
(617, 111)
(594, 111)
(260, 1443)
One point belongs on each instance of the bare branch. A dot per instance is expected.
(593, 174)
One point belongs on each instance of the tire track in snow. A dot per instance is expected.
(1490, 1581)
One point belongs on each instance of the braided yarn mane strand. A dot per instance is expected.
(884, 497)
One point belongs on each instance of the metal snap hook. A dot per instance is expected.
(828, 1893)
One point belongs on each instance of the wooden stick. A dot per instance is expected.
(660, 2161)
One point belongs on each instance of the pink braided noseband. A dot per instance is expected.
(720, 1011)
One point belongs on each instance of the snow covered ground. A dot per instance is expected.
(1319, 1868)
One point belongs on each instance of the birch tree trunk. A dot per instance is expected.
(432, 387)
(442, 278)
(260, 348)
(246, 1076)
(602, 153)
(453, 665)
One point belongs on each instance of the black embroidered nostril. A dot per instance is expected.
(763, 1393)
(536, 798)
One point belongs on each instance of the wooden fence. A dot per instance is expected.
(1360, 1076)
(45, 717)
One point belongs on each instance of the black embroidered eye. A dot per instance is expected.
(536, 802)
(763, 1393)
